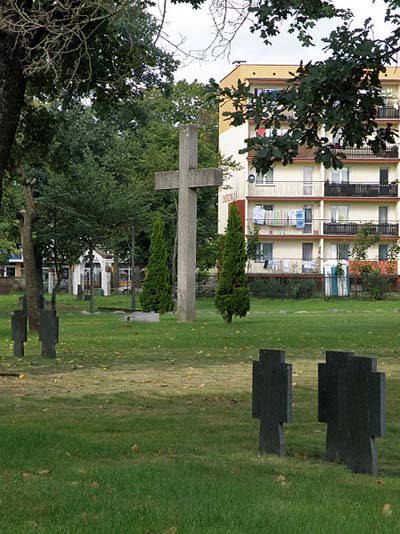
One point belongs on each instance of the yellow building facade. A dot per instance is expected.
(306, 215)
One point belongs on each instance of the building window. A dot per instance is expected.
(307, 180)
(265, 179)
(340, 176)
(339, 214)
(383, 176)
(383, 252)
(340, 251)
(383, 214)
(10, 271)
(265, 90)
(264, 252)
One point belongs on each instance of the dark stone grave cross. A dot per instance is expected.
(19, 331)
(351, 399)
(272, 399)
(48, 333)
(187, 180)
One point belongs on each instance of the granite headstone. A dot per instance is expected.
(19, 331)
(48, 333)
(272, 399)
(351, 400)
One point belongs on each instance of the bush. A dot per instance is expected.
(232, 296)
(301, 288)
(156, 294)
(375, 285)
(280, 288)
(268, 287)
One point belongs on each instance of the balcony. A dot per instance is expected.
(388, 112)
(286, 189)
(360, 190)
(285, 266)
(319, 227)
(297, 266)
(391, 152)
(351, 228)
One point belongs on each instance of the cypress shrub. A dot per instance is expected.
(157, 293)
(232, 296)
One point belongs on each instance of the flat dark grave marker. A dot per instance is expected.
(351, 400)
(48, 333)
(19, 331)
(272, 399)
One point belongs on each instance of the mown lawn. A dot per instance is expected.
(146, 428)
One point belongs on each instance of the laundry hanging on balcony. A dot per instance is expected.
(277, 218)
(300, 218)
(281, 217)
(259, 215)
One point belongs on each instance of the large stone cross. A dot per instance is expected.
(186, 180)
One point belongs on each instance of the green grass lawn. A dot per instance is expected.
(146, 428)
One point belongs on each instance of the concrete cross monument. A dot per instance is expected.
(187, 180)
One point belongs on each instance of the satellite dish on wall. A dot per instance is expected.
(251, 178)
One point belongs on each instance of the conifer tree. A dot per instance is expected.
(156, 295)
(232, 296)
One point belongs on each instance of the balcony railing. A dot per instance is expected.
(391, 152)
(295, 266)
(388, 112)
(352, 228)
(360, 190)
(284, 266)
(286, 189)
(318, 227)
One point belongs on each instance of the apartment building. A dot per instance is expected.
(307, 216)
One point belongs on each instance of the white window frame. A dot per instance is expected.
(340, 176)
(267, 178)
(340, 214)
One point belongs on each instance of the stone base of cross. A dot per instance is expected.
(187, 180)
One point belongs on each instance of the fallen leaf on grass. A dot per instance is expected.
(171, 530)
(26, 475)
(43, 472)
(135, 448)
(380, 481)
(387, 509)
(282, 480)
(21, 377)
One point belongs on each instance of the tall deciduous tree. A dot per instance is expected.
(232, 297)
(104, 50)
(341, 94)
(156, 294)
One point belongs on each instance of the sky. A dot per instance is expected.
(195, 28)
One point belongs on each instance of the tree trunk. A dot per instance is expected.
(116, 272)
(133, 281)
(12, 92)
(56, 288)
(32, 289)
(91, 271)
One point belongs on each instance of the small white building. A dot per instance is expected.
(80, 273)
